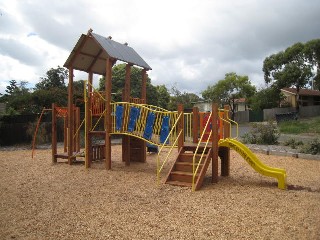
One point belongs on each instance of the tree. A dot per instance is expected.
(51, 89)
(163, 96)
(17, 98)
(227, 90)
(154, 94)
(55, 78)
(185, 98)
(289, 68)
(266, 98)
(312, 52)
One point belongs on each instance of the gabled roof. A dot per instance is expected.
(92, 50)
(302, 92)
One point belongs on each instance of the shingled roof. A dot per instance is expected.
(92, 50)
(302, 91)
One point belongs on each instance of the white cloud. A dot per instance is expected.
(190, 43)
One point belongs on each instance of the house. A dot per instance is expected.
(307, 97)
(239, 105)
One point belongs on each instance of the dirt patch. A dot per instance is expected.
(43, 201)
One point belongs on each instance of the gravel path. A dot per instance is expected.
(43, 201)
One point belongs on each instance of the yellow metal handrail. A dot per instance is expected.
(237, 127)
(174, 144)
(194, 168)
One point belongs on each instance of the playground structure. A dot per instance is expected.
(201, 138)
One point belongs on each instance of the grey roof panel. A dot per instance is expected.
(121, 51)
(84, 55)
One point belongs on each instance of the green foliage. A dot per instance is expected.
(293, 143)
(185, 98)
(262, 134)
(312, 147)
(230, 88)
(156, 95)
(55, 78)
(294, 66)
(266, 98)
(43, 135)
(163, 96)
(300, 126)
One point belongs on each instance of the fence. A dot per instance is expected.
(304, 112)
(19, 129)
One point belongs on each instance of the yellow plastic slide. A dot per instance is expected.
(254, 162)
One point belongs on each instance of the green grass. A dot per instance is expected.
(311, 125)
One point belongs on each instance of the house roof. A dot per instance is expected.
(302, 92)
(240, 100)
(92, 50)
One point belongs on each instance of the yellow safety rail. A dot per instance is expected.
(237, 127)
(159, 168)
(195, 168)
(141, 121)
(229, 121)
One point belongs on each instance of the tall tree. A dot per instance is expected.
(289, 68)
(17, 98)
(312, 52)
(227, 90)
(154, 94)
(55, 78)
(266, 98)
(185, 98)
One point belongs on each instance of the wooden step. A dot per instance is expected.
(181, 184)
(181, 176)
(188, 157)
(185, 166)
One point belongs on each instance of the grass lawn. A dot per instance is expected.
(310, 125)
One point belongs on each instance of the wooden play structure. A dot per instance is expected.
(201, 138)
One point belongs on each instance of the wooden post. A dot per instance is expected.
(78, 130)
(143, 96)
(54, 134)
(144, 85)
(88, 152)
(126, 98)
(195, 124)
(215, 146)
(180, 127)
(70, 116)
(108, 119)
(65, 134)
(225, 152)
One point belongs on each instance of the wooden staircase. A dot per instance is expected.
(181, 172)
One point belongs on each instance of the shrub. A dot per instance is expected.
(262, 134)
(312, 147)
(293, 143)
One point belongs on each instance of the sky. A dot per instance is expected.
(190, 44)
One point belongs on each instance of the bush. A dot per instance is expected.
(293, 143)
(262, 134)
(313, 147)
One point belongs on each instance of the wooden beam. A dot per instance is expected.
(215, 146)
(144, 85)
(88, 154)
(94, 60)
(76, 53)
(126, 98)
(107, 118)
(195, 124)
(54, 133)
(70, 116)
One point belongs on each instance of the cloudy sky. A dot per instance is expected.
(188, 43)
